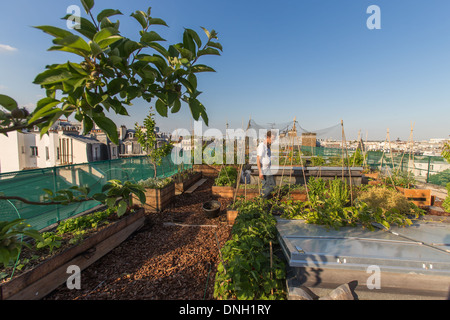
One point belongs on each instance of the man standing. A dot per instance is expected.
(263, 161)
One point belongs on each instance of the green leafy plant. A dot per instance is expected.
(446, 203)
(248, 270)
(356, 159)
(316, 189)
(155, 183)
(227, 177)
(147, 138)
(317, 161)
(116, 189)
(399, 179)
(329, 206)
(50, 241)
(11, 239)
(338, 192)
(446, 151)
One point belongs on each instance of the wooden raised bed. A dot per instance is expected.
(223, 191)
(420, 197)
(231, 216)
(228, 192)
(181, 187)
(250, 193)
(374, 175)
(158, 199)
(47, 276)
(208, 171)
(297, 195)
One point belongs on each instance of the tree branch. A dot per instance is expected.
(22, 126)
(43, 203)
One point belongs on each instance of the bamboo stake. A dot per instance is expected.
(284, 167)
(349, 169)
(365, 164)
(304, 175)
(342, 147)
(271, 264)
(390, 150)
(389, 171)
(240, 168)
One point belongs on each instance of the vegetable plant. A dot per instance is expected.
(50, 241)
(116, 189)
(329, 206)
(11, 239)
(400, 179)
(227, 177)
(155, 183)
(249, 270)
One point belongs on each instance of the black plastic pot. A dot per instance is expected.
(211, 208)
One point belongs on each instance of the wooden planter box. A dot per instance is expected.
(249, 194)
(372, 175)
(181, 187)
(222, 191)
(47, 276)
(231, 216)
(208, 171)
(211, 170)
(420, 197)
(159, 199)
(297, 195)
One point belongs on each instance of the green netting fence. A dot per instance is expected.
(29, 184)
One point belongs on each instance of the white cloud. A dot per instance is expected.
(7, 48)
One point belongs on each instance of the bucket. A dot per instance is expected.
(211, 208)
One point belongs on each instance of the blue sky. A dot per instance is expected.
(311, 59)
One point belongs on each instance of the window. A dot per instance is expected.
(47, 153)
(57, 153)
(34, 151)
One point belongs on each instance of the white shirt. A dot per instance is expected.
(264, 154)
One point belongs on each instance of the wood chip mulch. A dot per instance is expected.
(161, 260)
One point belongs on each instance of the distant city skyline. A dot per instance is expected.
(313, 60)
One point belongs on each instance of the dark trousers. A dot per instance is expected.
(268, 185)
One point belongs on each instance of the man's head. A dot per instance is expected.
(269, 137)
